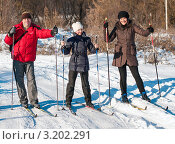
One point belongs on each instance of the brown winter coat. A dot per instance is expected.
(125, 49)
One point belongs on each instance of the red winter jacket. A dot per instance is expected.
(25, 48)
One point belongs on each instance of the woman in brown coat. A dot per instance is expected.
(125, 51)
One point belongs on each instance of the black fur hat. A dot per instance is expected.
(122, 14)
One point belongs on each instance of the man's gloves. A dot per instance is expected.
(151, 30)
(12, 31)
(54, 31)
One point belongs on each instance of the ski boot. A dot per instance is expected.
(89, 104)
(36, 105)
(25, 105)
(68, 105)
(145, 97)
(124, 98)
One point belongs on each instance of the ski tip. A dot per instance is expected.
(99, 109)
(74, 113)
(166, 108)
(63, 108)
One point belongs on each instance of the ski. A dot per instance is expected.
(72, 112)
(49, 113)
(160, 106)
(157, 106)
(134, 106)
(67, 110)
(30, 112)
(139, 108)
(98, 110)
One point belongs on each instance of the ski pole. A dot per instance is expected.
(107, 46)
(12, 70)
(63, 76)
(96, 41)
(56, 52)
(155, 61)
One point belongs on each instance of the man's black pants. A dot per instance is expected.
(20, 69)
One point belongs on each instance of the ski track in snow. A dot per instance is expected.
(125, 116)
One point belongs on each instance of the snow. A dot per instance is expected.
(125, 116)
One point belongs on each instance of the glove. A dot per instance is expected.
(54, 31)
(151, 30)
(12, 31)
(105, 25)
(97, 49)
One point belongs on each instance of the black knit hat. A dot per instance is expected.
(122, 14)
(26, 15)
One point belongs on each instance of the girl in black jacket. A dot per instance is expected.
(79, 63)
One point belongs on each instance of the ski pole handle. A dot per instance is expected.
(96, 39)
(55, 27)
(106, 29)
(152, 39)
(150, 24)
(63, 37)
(106, 19)
(96, 43)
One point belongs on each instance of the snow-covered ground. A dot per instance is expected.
(125, 116)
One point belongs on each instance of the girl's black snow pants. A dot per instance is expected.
(71, 85)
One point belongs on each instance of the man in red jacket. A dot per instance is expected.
(26, 35)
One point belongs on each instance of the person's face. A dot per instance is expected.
(79, 32)
(26, 22)
(123, 21)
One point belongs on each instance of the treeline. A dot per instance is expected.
(46, 13)
(91, 13)
(141, 12)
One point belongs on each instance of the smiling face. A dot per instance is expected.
(79, 32)
(26, 23)
(123, 21)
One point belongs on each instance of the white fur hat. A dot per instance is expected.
(76, 26)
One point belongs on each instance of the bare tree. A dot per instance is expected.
(65, 12)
